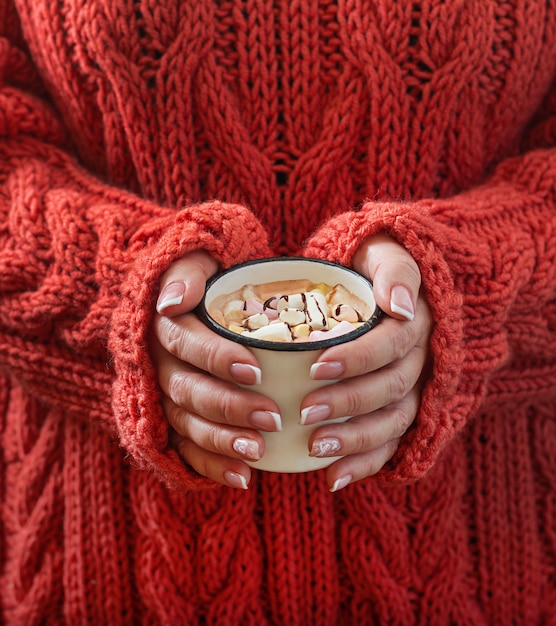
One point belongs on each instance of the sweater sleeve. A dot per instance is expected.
(488, 261)
(79, 266)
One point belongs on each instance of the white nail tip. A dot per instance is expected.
(277, 420)
(167, 303)
(257, 372)
(401, 311)
(341, 483)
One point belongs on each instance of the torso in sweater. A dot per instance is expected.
(296, 109)
(299, 111)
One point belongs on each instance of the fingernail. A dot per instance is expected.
(246, 374)
(266, 420)
(327, 370)
(171, 295)
(248, 448)
(341, 483)
(401, 302)
(238, 481)
(315, 413)
(327, 446)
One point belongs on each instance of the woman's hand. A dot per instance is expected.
(380, 371)
(214, 423)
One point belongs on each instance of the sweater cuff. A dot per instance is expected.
(229, 233)
(447, 400)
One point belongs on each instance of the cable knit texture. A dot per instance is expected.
(134, 131)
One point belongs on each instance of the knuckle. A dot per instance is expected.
(176, 387)
(215, 438)
(360, 440)
(402, 342)
(398, 383)
(212, 354)
(352, 401)
(227, 404)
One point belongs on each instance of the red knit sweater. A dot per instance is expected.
(134, 131)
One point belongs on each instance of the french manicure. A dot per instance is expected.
(401, 302)
(326, 370)
(315, 413)
(171, 295)
(266, 420)
(247, 448)
(341, 483)
(246, 374)
(236, 480)
(327, 446)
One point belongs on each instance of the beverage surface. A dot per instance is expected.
(290, 311)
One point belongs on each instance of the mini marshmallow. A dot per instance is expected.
(316, 310)
(272, 302)
(271, 332)
(345, 313)
(252, 307)
(340, 329)
(293, 301)
(249, 293)
(292, 317)
(301, 331)
(234, 311)
(256, 321)
(338, 295)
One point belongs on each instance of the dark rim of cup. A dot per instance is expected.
(280, 346)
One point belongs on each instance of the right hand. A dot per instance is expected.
(214, 423)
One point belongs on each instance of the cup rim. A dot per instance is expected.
(302, 346)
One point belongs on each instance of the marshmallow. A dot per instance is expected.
(301, 331)
(316, 310)
(271, 332)
(233, 311)
(252, 307)
(236, 328)
(293, 301)
(292, 317)
(340, 329)
(256, 321)
(345, 313)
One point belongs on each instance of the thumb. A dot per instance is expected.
(394, 273)
(183, 284)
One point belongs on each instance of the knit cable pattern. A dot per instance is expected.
(134, 131)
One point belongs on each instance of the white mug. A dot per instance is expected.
(285, 367)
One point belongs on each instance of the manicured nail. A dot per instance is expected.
(315, 413)
(326, 370)
(266, 420)
(238, 481)
(246, 374)
(171, 295)
(401, 302)
(327, 446)
(341, 483)
(248, 448)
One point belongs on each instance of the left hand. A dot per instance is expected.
(380, 371)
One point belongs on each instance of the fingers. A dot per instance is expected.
(368, 441)
(189, 340)
(388, 342)
(197, 393)
(230, 441)
(230, 472)
(395, 367)
(182, 286)
(395, 275)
